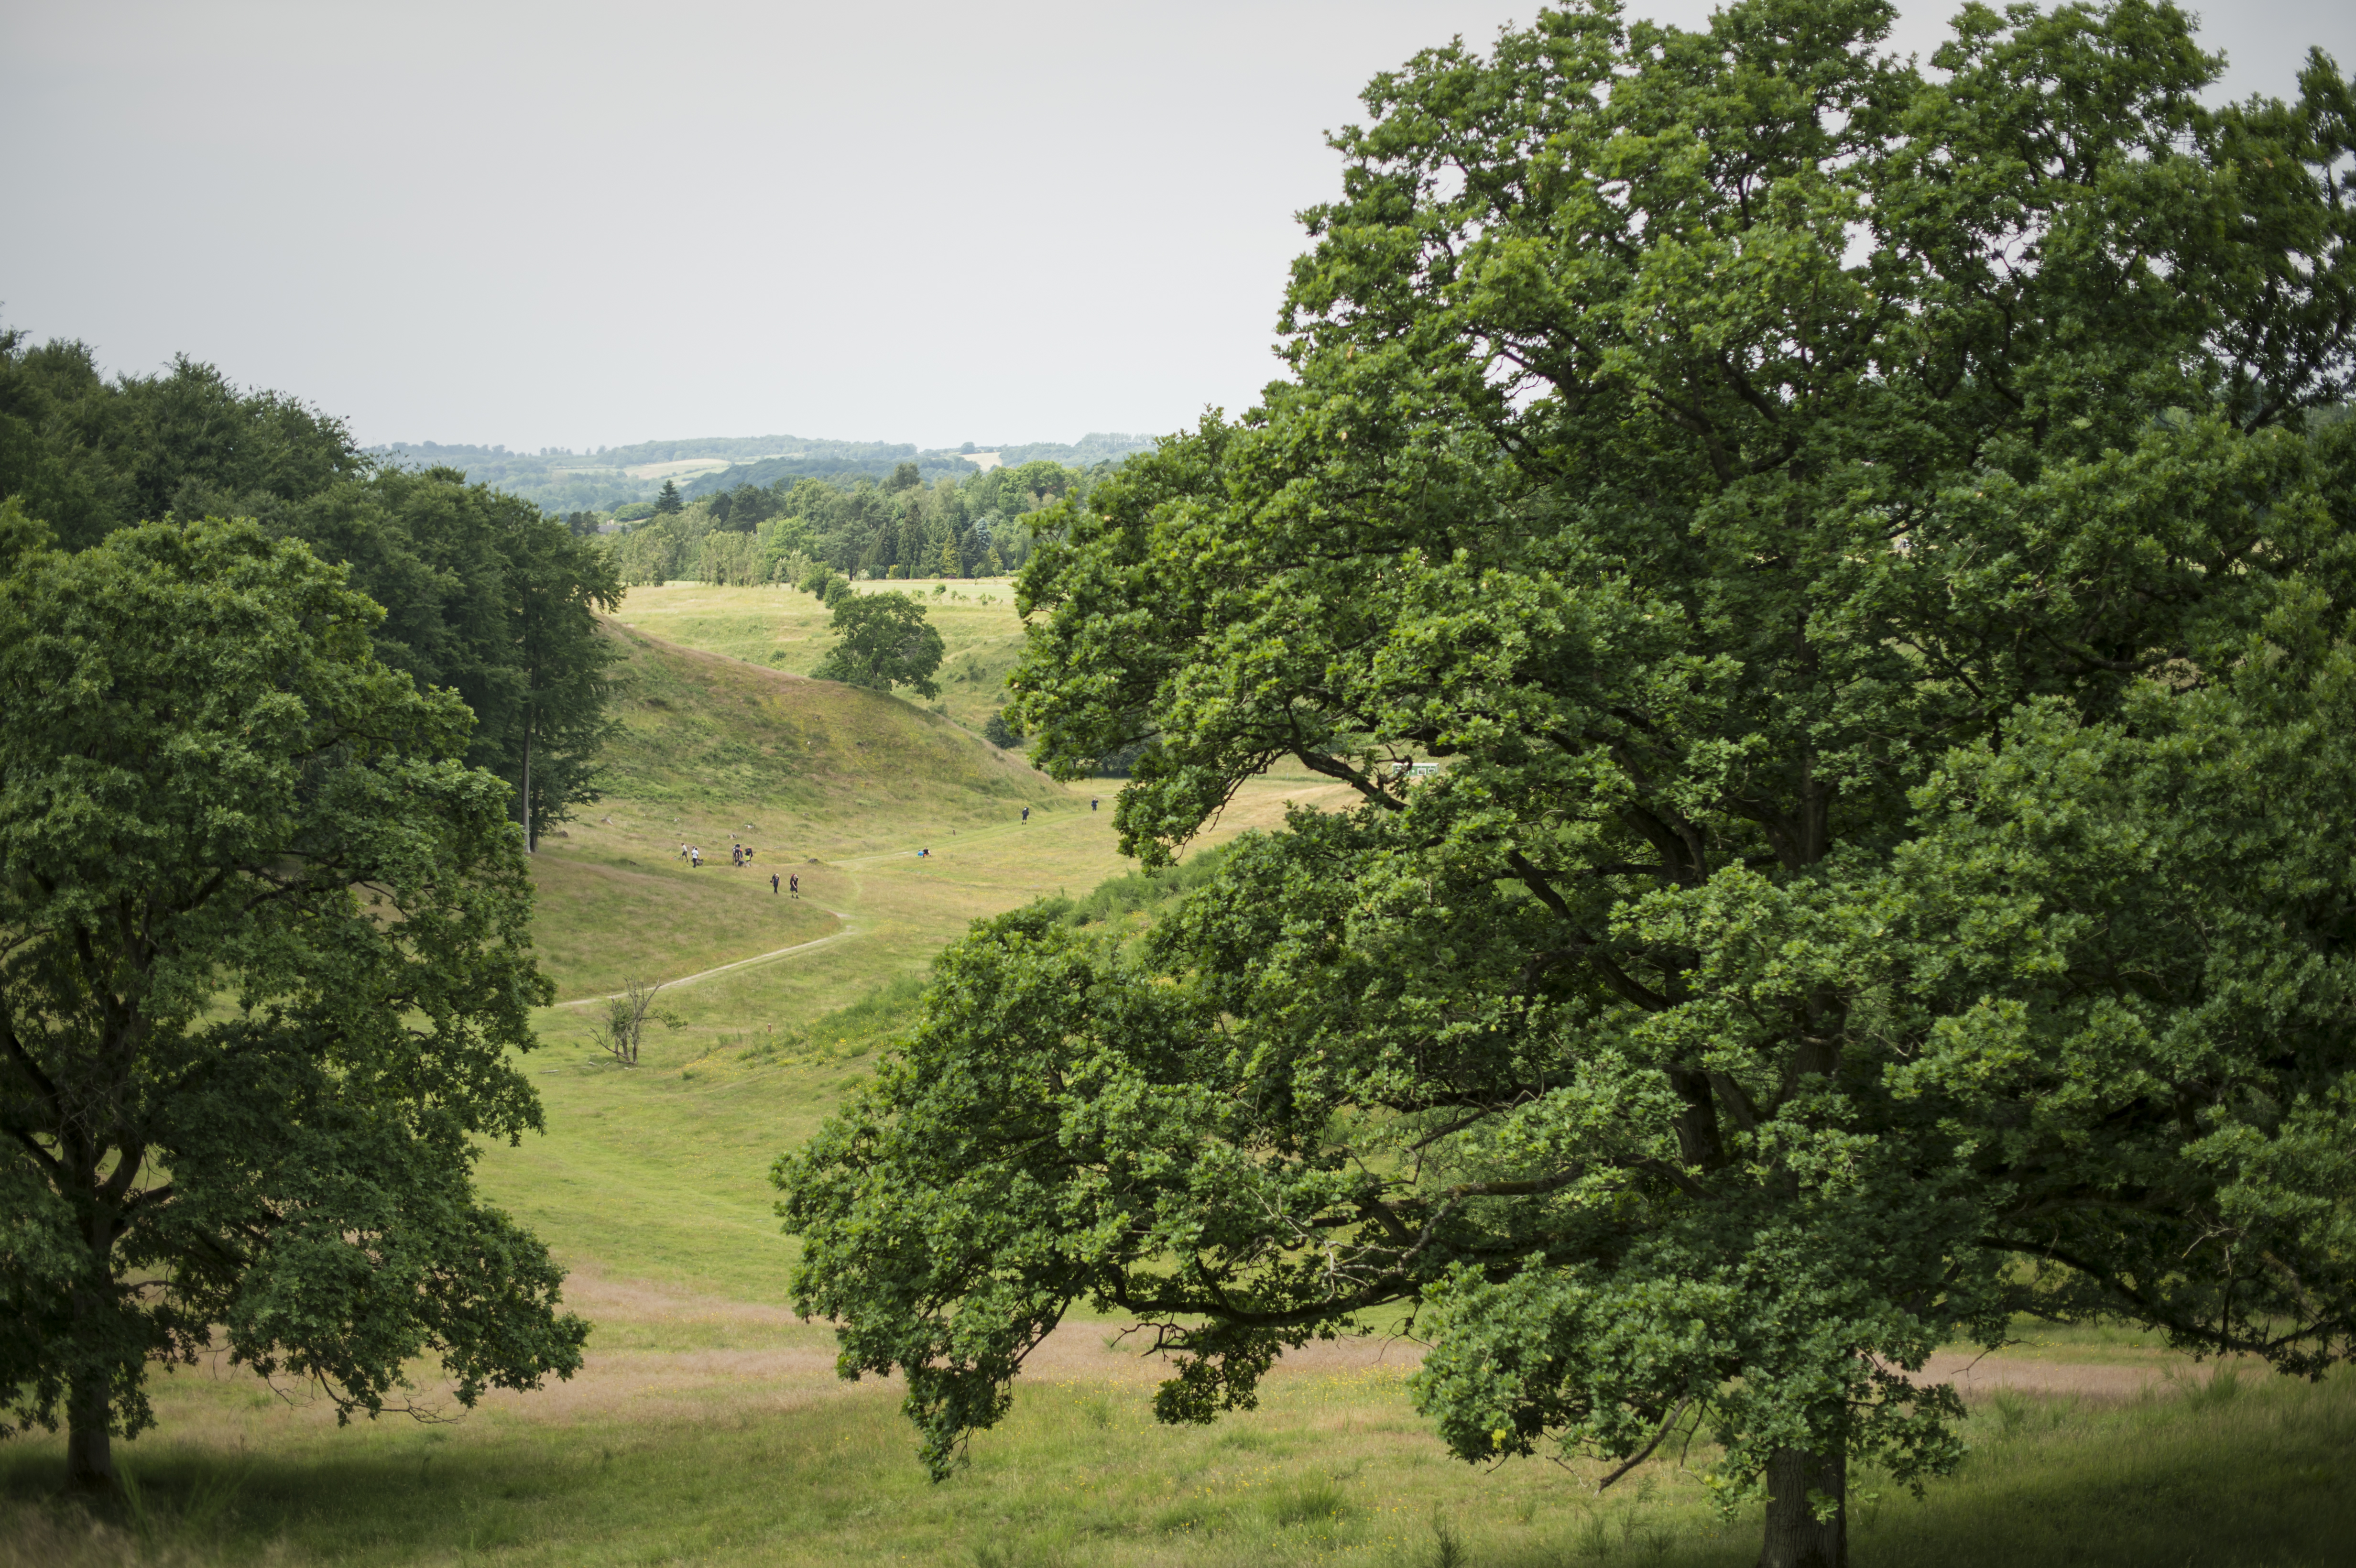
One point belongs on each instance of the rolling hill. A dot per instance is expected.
(702, 726)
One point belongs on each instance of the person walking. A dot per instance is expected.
(1026, 813)
(1092, 802)
(794, 885)
(695, 858)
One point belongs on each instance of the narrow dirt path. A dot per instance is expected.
(848, 930)
(794, 1359)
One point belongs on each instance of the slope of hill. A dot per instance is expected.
(703, 727)
(557, 479)
(713, 752)
(786, 629)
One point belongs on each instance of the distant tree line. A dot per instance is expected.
(845, 461)
(561, 480)
(483, 593)
(980, 525)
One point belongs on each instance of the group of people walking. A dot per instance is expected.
(740, 855)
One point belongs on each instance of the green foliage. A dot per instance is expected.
(973, 524)
(886, 640)
(825, 585)
(1848, 533)
(488, 597)
(268, 961)
(88, 455)
(555, 697)
(20, 534)
(1137, 892)
(484, 595)
(999, 733)
(668, 501)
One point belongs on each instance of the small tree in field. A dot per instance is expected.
(825, 584)
(885, 640)
(624, 1026)
(264, 965)
(1880, 558)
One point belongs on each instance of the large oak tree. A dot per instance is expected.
(263, 962)
(1873, 552)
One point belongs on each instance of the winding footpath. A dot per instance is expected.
(848, 930)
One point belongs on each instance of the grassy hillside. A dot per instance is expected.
(715, 753)
(842, 787)
(702, 726)
(770, 1046)
(786, 629)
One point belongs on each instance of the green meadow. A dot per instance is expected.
(785, 628)
(709, 1426)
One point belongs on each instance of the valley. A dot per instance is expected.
(708, 1425)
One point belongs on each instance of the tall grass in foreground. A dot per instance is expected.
(2232, 1471)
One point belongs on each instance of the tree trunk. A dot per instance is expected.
(1795, 1537)
(90, 1447)
(89, 1444)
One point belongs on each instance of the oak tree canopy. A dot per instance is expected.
(1871, 550)
(264, 960)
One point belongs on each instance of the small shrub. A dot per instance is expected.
(1447, 1546)
(2224, 1387)
(1124, 895)
(1183, 1517)
(1305, 1502)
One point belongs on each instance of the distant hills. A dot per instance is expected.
(561, 480)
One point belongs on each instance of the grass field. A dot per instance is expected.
(708, 1425)
(711, 1431)
(785, 628)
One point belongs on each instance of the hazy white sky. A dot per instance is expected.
(593, 223)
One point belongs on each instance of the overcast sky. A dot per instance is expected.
(584, 224)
